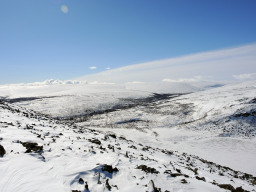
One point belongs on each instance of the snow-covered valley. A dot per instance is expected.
(111, 137)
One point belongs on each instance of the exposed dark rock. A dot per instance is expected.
(86, 187)
(200, 178)
(184, 181)
(107, 185)
(81, 181)
(226, 186)
(195, 171)
(110, 135)
(175, 174)
(246, 114)
(32, 147)
(133, 147)
(96, 141)
(109, 168)
(155, 189)
(147, 169)
(239, 189)
(2, 151)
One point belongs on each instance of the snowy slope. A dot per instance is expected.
(218, 124)
(43, 154)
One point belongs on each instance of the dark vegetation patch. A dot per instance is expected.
(253, 101)
(21, 99)
(130, 121)
(246, 114)
(123, 104)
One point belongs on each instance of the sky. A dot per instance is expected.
(65, 39)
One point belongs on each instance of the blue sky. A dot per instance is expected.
(62, 39)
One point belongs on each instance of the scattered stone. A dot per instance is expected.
(115, 186)
(195, 171)
(155, 189)
(107, 185)
(111, 135)
(226, 186)
(81, 181)
(147, 169)
(133, 147)
(86, 187)
(109, 168)
(99, 182)
(96, 141)
(2, 151)
(200, 178)
(184, 181)
(32, 147)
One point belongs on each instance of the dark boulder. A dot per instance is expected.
(2, 151)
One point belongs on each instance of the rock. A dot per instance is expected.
(81, 181)
(200, 178)
(107, 185)
(2, 151)
(184, 181)
(86, 187)
(226, 186)
(96, 141)
(147, 169)
(109, 168)
(32, 147)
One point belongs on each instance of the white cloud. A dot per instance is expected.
(218, 65)
(246, 76)
(108, 68)
(64, 9)
(92, 67)
(183, 80)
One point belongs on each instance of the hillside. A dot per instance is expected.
(42, 154)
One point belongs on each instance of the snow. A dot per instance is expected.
(71, 152)
(173, 125)
(194, 123)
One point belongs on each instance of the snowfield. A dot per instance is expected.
(44, 154)
(110, 137)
